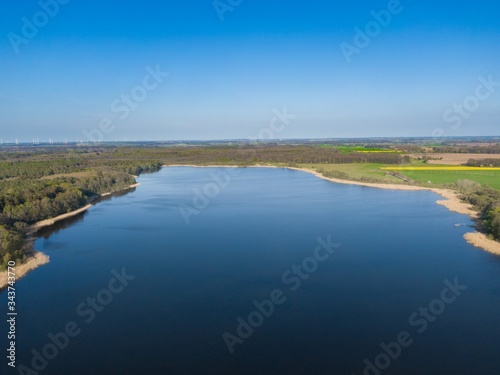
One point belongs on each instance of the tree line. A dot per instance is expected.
(468, 149)
(483, 163)
(36, 186)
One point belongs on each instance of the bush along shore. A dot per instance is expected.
(29, 203)
(32, 259)
(480, 202)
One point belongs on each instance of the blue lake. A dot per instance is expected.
(260, 271)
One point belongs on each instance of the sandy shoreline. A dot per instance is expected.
(48, 222)
(451, 200)
(39, 258)
(481, 241)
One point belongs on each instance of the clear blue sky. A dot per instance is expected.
(227, 76)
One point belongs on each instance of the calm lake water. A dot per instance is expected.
(194, 283)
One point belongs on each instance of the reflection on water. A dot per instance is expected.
(72, 220)
(60, 225)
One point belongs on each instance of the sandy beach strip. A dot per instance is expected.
(124, 189)
(480, 240)
(455, 204)
(38, 259)
(451, 201)
(48, 222)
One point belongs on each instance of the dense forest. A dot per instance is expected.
(52, 161)
(39, 185)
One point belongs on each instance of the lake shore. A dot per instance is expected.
(481, 241)
(451, 200)
(48, 222)
(39, 258)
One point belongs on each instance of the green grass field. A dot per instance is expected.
(462, 168)
(373, 172)
(358, 171)
(490, 178)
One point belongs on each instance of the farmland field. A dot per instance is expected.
(450, 174)
(455, 159)
(437, 175)
(357, 171)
